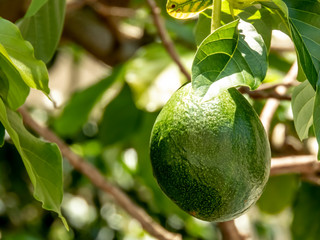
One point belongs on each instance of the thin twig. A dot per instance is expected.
(155, 10)
(99, 181)
(272, 104)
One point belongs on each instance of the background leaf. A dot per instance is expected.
(19, 53)
(43, 28)
(306, 212)
(279, 193)
(233, 55)
(42, 160)
(77, 111)
(302, 107)
(123, 112)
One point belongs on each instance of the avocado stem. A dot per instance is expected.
(216, 15)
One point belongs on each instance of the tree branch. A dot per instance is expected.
(305, 164)
(272, 104)
(262, 94)
(99, 181)
(165, 37)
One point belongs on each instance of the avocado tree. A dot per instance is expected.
(236, 144)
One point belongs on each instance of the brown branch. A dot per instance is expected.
(272, 104)
(305, 164)
(229, 231)
(99, 181)
(262, 94)
(111, 11)
(165, 37)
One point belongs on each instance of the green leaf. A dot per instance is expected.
(18, 55)
(282, 6)
(13, 90)
(43, 27)
(306, 212)
(77, 111)
(203, 26)
(152, 68)
(121, 118)
(316, 117)
(233, 55)
(278, 194)
(42, 160)
(260, 18)
(302, 107)
(2, 133)
(304, 22)
(262, 21)
(34, 7)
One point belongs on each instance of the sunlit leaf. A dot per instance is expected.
(262, 21)
(77, 111)
(233, 55)
(153, 76)
(43, 27)
(42, 160)
(302, 107)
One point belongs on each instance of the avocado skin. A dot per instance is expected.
(211, 158)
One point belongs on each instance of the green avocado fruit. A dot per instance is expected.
(212, 158)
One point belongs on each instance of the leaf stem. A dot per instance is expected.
(216, 15)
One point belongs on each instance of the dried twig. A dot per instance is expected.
(97, 179)
(165, 37)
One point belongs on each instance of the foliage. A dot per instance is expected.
(109, 121)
